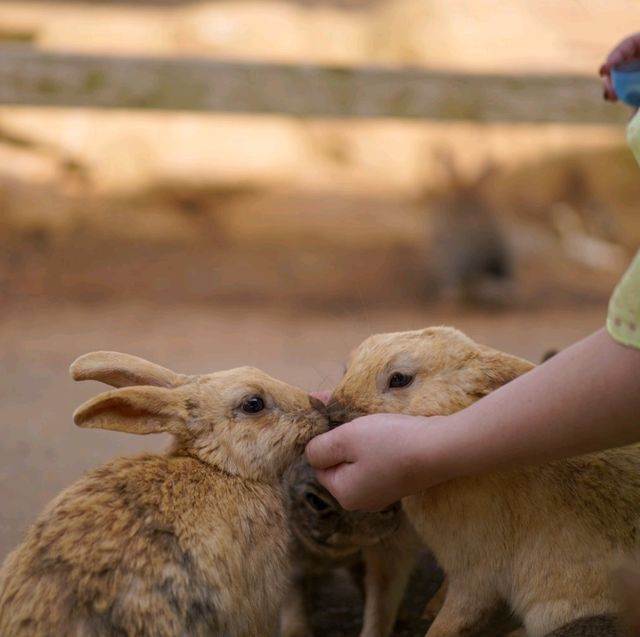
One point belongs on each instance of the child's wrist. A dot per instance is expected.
(432, 457)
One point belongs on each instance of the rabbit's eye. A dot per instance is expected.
(398, 379)
(315, 502)
(253, 405)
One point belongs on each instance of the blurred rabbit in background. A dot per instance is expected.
(468, 251)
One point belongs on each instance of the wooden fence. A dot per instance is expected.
(37, 78)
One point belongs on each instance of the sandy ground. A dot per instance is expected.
(41, 450)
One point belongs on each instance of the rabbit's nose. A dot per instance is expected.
(337, 414)
(318, 405)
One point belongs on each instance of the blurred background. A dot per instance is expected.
(204, 241)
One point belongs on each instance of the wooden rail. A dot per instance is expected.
(38, 78)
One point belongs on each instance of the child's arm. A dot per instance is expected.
(585, 398)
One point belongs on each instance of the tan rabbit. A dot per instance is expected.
(193, 542)
(543, 539)
(325, 537)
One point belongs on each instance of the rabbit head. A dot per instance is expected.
(241, 421)
(321, 525)
(434, 371)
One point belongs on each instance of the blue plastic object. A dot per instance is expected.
(626, 82)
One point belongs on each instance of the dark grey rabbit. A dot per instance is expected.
(378, 549)
(469, 254)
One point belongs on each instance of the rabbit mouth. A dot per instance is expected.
(340, 414)
(314, 427)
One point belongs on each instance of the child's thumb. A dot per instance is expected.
(327, 450)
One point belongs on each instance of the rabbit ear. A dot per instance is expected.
(123, 370)
(444, 159)
(488, 170)
(136, 410)
(500, 368)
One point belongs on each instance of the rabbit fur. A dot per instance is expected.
(628, 587)
(190, 543)
(543, 539)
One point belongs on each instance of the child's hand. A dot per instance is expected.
(372, 461)
(627, 50)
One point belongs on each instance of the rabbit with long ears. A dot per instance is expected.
(193, 542)
(326, 537)
(468, 251)
(544, 539)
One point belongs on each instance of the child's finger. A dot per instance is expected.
(608, 90)
(327, 450)
(339, 480)
(322, 395)
(327, 478)
(628, 49)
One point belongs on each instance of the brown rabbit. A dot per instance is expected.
(468, 250)
(325, 537)
(193, 542)
(543, 539)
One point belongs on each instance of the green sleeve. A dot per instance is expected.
(633, 135)
(623, 320)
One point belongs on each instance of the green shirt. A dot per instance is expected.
(633, 135)
(623, 320)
